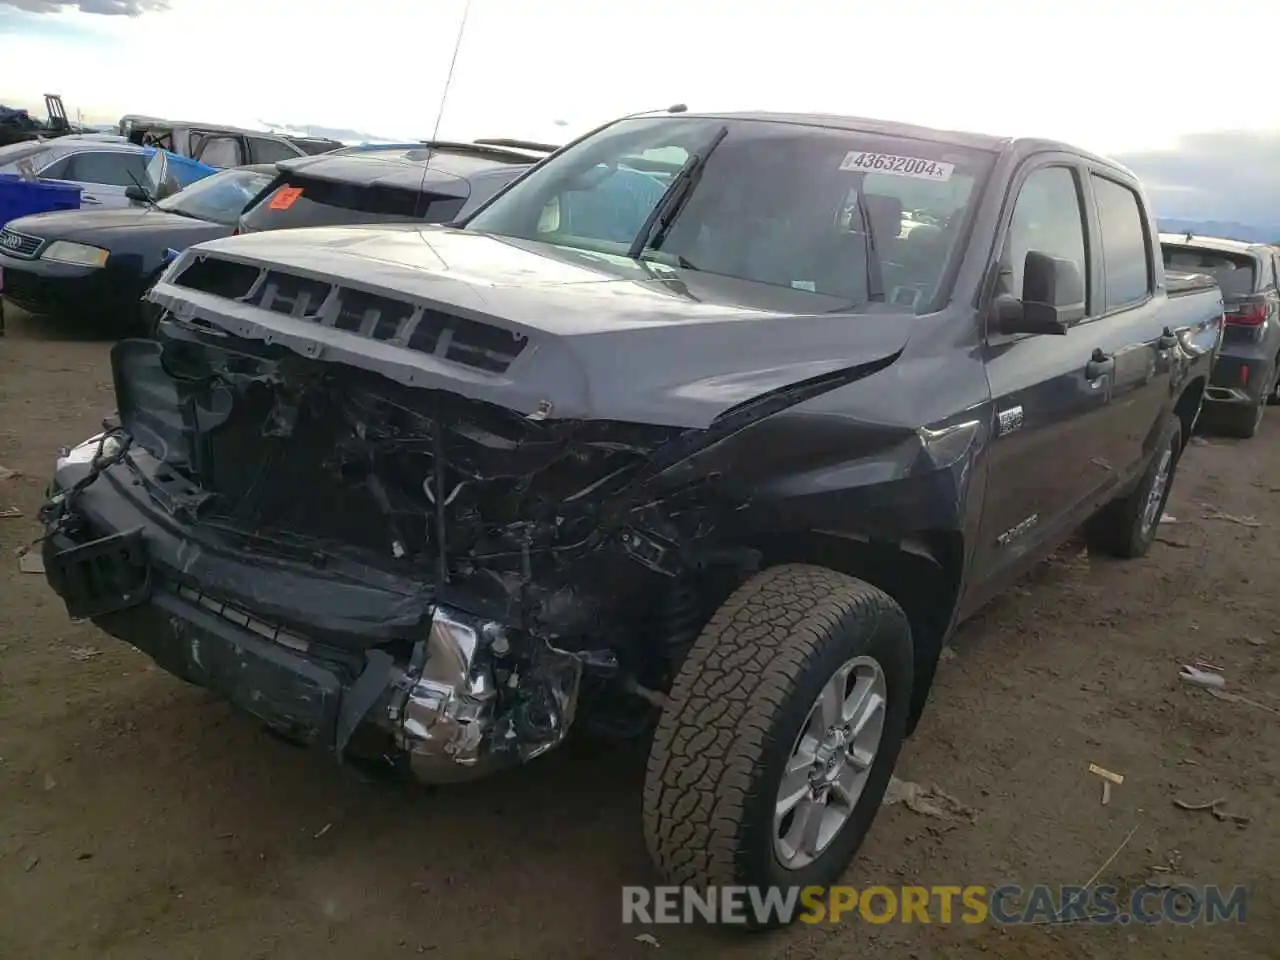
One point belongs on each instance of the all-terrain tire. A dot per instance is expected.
(735, 711)
(1121, 528)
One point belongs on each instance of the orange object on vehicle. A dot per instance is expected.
(285, 198)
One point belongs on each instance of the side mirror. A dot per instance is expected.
(1053, 298)
(137, 193)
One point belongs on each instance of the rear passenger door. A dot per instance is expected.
(1129, 330)
(1050, 401)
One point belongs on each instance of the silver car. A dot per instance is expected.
(102, 165)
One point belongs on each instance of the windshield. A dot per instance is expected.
(218, 198)
(844, 214)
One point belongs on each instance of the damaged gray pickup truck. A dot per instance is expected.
(708, 429)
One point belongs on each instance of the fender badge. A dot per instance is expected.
(1009, 420)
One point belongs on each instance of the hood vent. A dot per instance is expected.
(377, 317)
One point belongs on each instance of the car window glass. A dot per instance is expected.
(301, 202)
(1234, 272)
(815, 210)
(110, 169)
(1047, 218)
(1125, 254)
(220, 151)
(218, 198)
(53, 171)
(269, 151)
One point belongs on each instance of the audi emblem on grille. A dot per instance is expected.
(11, 240)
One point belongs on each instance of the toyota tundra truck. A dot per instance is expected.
(719, 468)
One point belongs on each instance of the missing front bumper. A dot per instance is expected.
(469, 701)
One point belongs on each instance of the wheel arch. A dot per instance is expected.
(922, 575)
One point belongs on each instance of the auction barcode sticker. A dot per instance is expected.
(917, 167)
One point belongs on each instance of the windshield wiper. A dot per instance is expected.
(672, 202)
(150, 200)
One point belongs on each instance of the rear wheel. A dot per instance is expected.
(781, 732)
(1127, 527)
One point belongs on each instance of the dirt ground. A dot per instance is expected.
(141, 817)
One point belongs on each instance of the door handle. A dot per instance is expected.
(1099, 365)
(88, 199)
(1167, 340)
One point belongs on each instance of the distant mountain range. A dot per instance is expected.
(344, 134)
(1227, 229)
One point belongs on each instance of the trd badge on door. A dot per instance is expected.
(1009, 420)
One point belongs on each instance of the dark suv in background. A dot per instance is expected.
(1244, 379)
(433, 182)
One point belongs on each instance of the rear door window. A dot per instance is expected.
(220, 152)
(1126, 260)
(266, 150)
(302, 202)
(1234, 272)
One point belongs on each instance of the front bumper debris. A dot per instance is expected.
(464, 698)
(449, 721)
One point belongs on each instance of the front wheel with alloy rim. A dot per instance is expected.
(1127, 527)
(780, 734)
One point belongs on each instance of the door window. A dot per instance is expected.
(265, 150)
(1126, 255)
(1047, 218)
(109, 169)
(220, 152)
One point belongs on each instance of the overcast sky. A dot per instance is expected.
(1117, 76)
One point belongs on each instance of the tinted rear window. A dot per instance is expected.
(1234, 272)
(301, 202)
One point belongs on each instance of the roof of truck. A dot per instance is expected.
(892, 128)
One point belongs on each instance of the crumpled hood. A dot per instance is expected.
(587, 336)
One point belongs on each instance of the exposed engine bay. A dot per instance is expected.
(564, 577)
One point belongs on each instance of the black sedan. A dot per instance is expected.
(95, 264)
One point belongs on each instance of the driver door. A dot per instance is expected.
(1047, 464)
